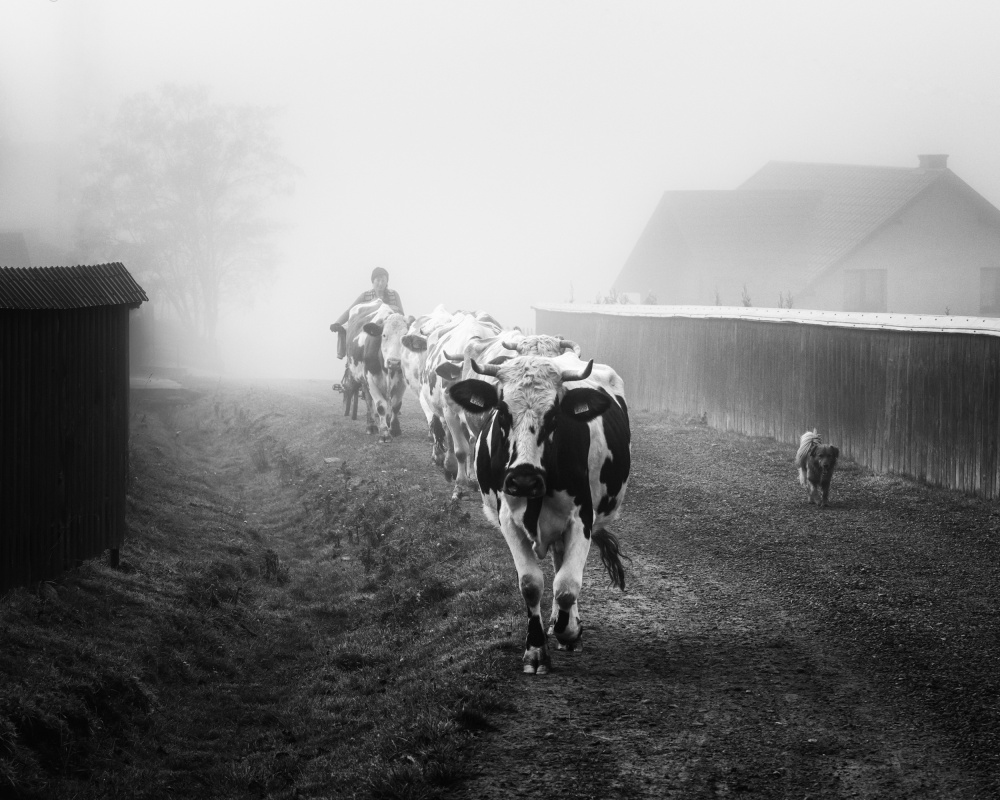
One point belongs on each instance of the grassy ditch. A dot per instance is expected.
(299, 612)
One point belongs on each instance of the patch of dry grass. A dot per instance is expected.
(280, 626)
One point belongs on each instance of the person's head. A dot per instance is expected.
(380, 279)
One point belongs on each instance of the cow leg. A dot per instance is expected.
(568, 562)
(371, 428)
(531, 582)
(437, 436)
(461, 450)
(395, 406)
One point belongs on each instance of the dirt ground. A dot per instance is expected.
(765, 648)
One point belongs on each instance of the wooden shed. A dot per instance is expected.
(64, 414)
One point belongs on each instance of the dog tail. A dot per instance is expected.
(808, 440)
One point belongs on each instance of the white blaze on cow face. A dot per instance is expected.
(530, 388)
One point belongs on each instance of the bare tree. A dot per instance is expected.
(182, 190)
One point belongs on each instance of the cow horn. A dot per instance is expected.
(568, 344)
(577, 375)
(509, 345)
(456, 359)
(485, 369)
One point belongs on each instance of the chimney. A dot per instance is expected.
(935, 161)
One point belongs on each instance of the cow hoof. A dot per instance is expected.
(536, 661)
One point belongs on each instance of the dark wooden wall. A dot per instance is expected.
(64, 388)
(920, 404)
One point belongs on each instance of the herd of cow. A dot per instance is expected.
(544, 435)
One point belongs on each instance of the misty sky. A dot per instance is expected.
(495, 155)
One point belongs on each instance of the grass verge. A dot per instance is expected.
(284, 623)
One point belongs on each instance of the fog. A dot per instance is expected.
(499, 155)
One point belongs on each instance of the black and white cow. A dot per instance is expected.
(445, 419)
(495, 350)
(374, 361)
(421, 336)
(552, 461)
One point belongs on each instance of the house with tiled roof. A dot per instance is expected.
(825, 236)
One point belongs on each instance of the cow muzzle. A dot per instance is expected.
(524, 481)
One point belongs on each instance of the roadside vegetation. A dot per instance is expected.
(298, 612)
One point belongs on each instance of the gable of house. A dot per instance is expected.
(781, 230)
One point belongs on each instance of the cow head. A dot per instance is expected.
(541, 345)
(386, 343)
(531, 402)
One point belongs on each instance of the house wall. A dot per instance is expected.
(932, 254)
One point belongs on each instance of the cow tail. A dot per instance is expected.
(611, 556)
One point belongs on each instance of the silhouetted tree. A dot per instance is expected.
(182, 191)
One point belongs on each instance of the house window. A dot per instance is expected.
(989, 291)
(864, 290)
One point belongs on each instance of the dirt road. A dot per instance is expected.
(764, 648)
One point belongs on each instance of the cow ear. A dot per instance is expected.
(372, 329)
(835, 451)
(415, 343)
(474, 395)
(584, 404)
(449, 371)
(500, 359)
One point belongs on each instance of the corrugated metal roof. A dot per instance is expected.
(931, 323)
(38, 288)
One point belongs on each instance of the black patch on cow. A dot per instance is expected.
(564, 461)
(549, 422)
(561, 621)
(415, 343)
(448, 371)
(536, 633)
(491, 453)
(437, 429)
(474, 395)
(431, 379)
(615, 469)
(532, 512)
(373, 355)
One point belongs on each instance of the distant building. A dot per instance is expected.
(825, 236)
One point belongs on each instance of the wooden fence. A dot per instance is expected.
(920, 400)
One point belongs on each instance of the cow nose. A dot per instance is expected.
(394, 365)
(524, 484)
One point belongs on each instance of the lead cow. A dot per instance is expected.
(552, 462)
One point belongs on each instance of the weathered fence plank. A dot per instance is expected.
(923, 403)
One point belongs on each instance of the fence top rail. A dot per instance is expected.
(931, 323)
